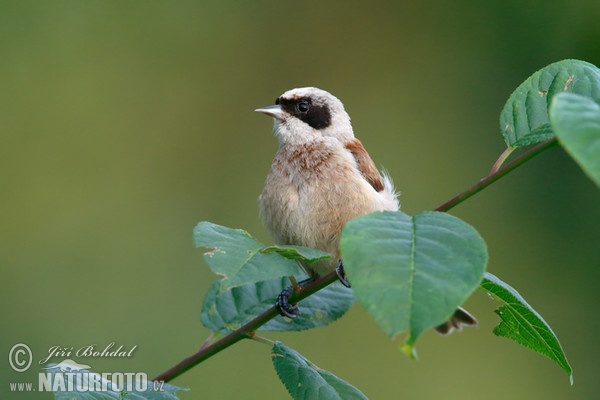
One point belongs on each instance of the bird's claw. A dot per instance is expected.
(283, 305)
(286, 309)
(342, 274)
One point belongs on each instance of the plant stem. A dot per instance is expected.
(262, 339)
(505, 154)
(494, 175)
(208, 340)
(244, 332)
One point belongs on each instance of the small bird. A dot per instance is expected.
(321, 178)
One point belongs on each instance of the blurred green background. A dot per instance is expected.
(123, 124)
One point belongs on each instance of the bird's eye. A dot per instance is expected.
(303, 107)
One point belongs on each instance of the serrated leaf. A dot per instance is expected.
(86, 385)
(238, 257)
(227, 311)
(524, 119)
(299, 253)
(411, 273)
(576, 120)
(521, 323)
(305, 381)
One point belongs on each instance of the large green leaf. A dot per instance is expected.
(524, 119)
(521, 323)
(241, 259)
(576, 120)
(411, 273)
(305, 381)
(227, 311)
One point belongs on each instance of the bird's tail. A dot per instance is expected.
(389, 191)
(460, 318)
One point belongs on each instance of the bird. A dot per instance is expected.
(320, 178)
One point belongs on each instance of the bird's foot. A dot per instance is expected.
(342, 274)
(283, 305)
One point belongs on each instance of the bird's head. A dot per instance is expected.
(304, 113)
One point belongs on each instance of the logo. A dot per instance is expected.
(70, 376)
(73, 376)
(69, 366)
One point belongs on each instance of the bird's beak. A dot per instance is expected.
(273, 111)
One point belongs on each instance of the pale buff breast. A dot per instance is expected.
(312, 191)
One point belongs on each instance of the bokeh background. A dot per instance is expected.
(123, 124)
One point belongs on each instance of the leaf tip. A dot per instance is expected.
(409, 349)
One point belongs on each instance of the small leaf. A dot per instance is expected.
(86, 385)
(521, 323)
(227, 311)
(576, 120)
(411, 273)
(299, 253)
(524, 119)
(305, 381)
(238, 257)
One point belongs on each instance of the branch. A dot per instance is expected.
(245, 332)
(496, 174)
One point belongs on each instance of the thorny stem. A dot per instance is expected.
(247, 331)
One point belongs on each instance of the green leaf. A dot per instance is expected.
(238, 257)
(521, 323)
(65, 386)
(305, 254)
(227, 311)
(524, 119)
(411, 273)
(304, 380)
(576, 120)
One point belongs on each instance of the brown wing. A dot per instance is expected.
(366, 166)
